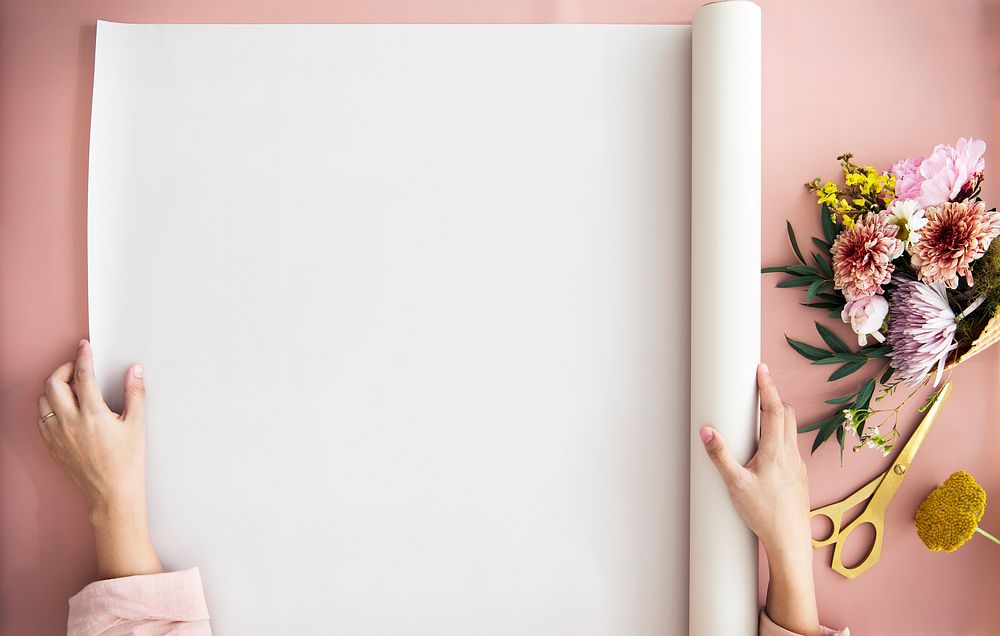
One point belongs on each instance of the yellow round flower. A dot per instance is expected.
(950, 515)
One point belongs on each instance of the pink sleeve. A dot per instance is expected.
(769, 628)
(172, 602)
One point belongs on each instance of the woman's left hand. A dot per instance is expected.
(105, 454)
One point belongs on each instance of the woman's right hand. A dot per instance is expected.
(771, 494)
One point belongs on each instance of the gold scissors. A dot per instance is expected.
(879, 493)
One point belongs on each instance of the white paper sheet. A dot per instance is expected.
(413, 307)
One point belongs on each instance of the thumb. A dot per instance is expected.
(135, 394)
(718, 452)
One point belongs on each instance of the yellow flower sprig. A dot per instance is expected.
(950, 515)
(865, 190)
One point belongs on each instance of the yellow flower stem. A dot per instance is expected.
(987, 535)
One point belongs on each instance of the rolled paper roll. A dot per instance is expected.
(725, 262)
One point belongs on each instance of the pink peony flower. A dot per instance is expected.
(908, 177)
(940, 177)
(862, 256)
(956, 234)
(866, 315)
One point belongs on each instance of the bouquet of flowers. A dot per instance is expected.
(906, 259)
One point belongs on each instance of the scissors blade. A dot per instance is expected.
(906, 455)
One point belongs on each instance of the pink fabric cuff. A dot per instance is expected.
(770, 628)
(147, 604)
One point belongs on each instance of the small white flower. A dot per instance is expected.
(909, 217)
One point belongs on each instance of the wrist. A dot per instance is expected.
(794, 559)
(118, 511)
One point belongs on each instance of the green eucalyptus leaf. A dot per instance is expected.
(841, 400)
(804, 270)
(832, 340)
(798, 281)
(846, 370)
(821, 423)
(824, 433)
(795, 244)
(829, 228)
(814, 289)
(835, 359)
(877, 352)
(886, 376)
(823, 267)
(808, 351)
(823, 245)
(865, 395)
(823, 305)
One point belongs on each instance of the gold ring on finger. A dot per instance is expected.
(48, 415)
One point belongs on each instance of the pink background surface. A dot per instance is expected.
(883, 79)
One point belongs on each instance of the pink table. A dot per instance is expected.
(882, 79)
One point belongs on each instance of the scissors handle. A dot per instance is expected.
(874, 553)
(835, 512)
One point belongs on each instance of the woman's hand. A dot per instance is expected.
(105, 454)
(771, 493)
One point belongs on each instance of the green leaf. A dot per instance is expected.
(846, 370)
(823, 267)
(824, 433)
(831, 340)
(841, 400)
(804, 270)
(877, 352)
(818, 441)
(823, 245)
(808, 351)
(833, 298)
(821, 423)
(829, 228)
(834, 359)
(780, 269)
(815, 288)
(865, 395)
(886, 376)
(835, 313)
(795, 244)
(821, 305)
(841, 358)
(840, 440)
(799, 281)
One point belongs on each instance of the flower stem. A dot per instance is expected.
(987, 535)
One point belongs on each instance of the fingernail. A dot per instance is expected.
(137, 371)
(707, 435)
(763, 365)
(83, 343)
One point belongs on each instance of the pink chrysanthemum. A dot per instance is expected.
(921, 329)
(955, 235)
(862, 256)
